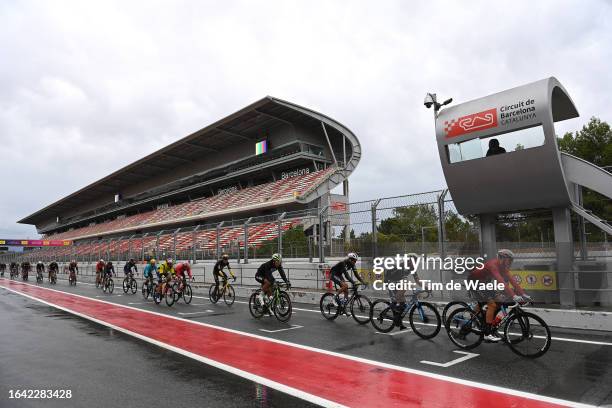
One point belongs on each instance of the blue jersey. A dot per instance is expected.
(149, 269)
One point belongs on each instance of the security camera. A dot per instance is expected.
(430, 100)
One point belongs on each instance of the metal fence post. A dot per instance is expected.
(194, 239)
(218, 254)
(374, 230)
(246, 240)
(441, 226)
(321, 235)
(174, 243)
(157, 245)
(280, 233)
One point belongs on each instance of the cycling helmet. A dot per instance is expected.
(101, 260)
(225, 256)
(352, 256)
(277, 257)
(505, 253)
(152, 261)
(169, 261)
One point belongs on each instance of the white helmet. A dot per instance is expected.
(352, 256)
(505, 253)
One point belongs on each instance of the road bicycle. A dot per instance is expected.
(108, 285)
(129, 284)
(359, 305)
(39, 277)
(99, 278)
(423, 316)
(226, 292)
(14, 273)
(72, 279)
(162, 290)
(24, 275)
(527, 334)
(53, 277)
(279, 303)
(147, 288)
(182, 289)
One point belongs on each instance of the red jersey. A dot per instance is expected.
(494, 270)
(99, 266)
(181, 268)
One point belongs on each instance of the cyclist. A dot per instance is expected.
(148, 271)
(497, 269)
(40, 269)
(180, 269)
(14, 269)
(341, 269)
(218, 271)
(25, 269)
(53, 269)
(73, 267)
(2, 269)
(100, 270)
(109, 271)
(165, 271)
(264, 276)
(398, 296)
(129, 265)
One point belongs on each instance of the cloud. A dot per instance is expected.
(86, 88)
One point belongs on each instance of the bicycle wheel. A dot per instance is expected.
(329, 307)
(527, 335)
(424, 320)
(170, 294)
(229, 296)
(360, 309)
(187, 294)
(97, 282)
(134, 286)
(465, 328)
(145, 291)
(126, 285)
(283, 308)
(111, 285)
(157, 296)
(382, 316)
(451, 307)
(213, 296)
(255, 306)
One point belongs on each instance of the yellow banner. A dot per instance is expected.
(536, 280)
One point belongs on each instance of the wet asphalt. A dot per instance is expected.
(574, 368)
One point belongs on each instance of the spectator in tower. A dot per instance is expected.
(495, 148)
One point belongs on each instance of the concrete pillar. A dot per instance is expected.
(488, 242)
(564, 246)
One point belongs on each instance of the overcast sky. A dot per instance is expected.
(87, 88)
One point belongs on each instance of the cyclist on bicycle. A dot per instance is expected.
(53, 268)
(341, 269)
(180, 269)
(14, 268)
(264, 276)
(218, 271)
(109, 270)
(100, 270)
(165, 271)
(497, 269)
(129, 265)
(25, 269)
(398, 296)
(73, 267)
(40, 269)
(148, 271)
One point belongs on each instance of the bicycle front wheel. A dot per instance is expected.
(134, 286)
(283, 307)
(360, 309)
(465, 328)
(170, 294)
(111, 286)
(229, 296)
(145, 291)
(126, 285)
(187, 294)
(424, 320)
(382, 316)
(527, 335)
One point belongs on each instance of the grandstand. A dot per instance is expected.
(226, 184)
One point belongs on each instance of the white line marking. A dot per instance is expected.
(192, 313)
(495, 388)
(241, 373)
(452, 362)
(293, 326)
(396, 333)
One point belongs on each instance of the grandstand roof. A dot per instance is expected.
(242, 125)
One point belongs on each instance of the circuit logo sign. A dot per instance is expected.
(471, 123)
